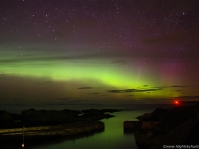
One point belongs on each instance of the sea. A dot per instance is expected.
(112, 137)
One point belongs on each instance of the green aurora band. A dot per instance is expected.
(92, 72)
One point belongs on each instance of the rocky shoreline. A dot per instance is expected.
(42, 125)
(175, 126)
(33, 118)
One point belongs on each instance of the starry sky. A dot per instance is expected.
(98, 51)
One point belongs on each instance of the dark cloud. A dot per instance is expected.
(161, 87)
(178, 86)
(133, 90)
(178, 90)
(95, 93)
(174, 86)
(85, 87)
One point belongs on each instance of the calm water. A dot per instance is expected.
(113, 137)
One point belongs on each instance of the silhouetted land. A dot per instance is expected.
(174, 126)
(32, 117)
(41, 125)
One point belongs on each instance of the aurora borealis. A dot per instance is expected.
(98, 52)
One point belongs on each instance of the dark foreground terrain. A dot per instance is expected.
(40, 126)
(174, 126)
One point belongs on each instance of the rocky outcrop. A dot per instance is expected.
(178, 126)
(6, 117)
(52, 122)
(52, 117)
(34, 117)
(8, 120)
(95, 114)
(179, 135)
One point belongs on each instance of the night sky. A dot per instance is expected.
(99, 51)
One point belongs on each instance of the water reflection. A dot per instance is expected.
(45, 143)
(113, 137)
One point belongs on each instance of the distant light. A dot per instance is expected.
(22, 145)
(176, 102)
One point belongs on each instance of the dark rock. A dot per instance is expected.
(48, 117)
(2, 112)
(110, 110)
(6, 117)
(179, 125)
(95, 114)
(9, 120)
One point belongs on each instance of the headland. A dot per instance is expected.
(175, 126)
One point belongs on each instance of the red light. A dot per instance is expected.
(177, 102)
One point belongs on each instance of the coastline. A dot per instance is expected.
(59, 130)
(174, 126)
(43, 134)
(13, 138)
(44, 126)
